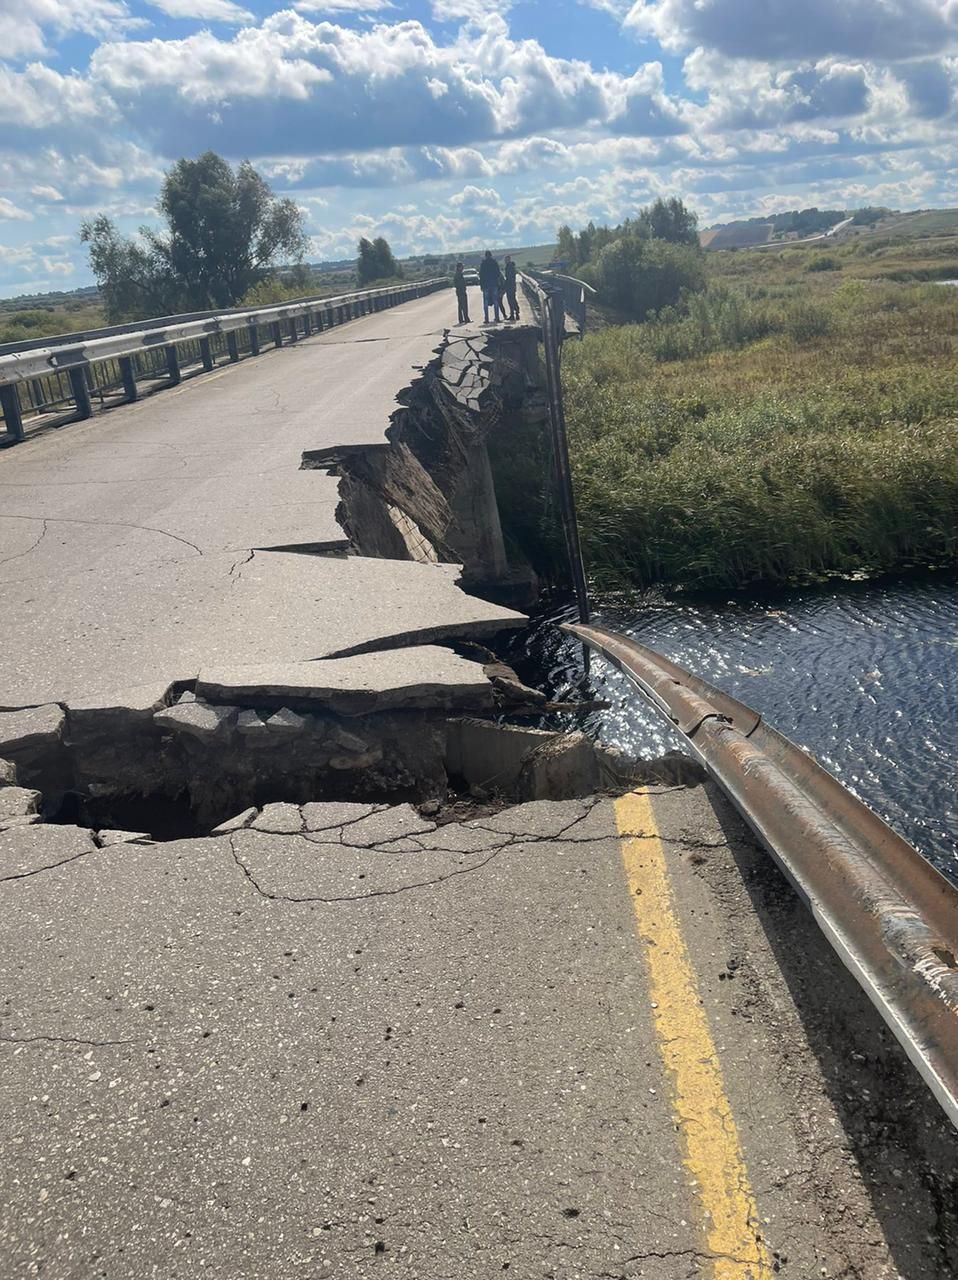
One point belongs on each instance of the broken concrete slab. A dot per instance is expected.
(115, 836)
(538, 818)
(23, 820)
(197, 719)
(489, 755)
(18, 802)
(566, 766)
(279, 819)
(424, 676)
(241, 820)
(388, 824)
(286, 721)
(324, 815)
(26, 850)
(250, 725)
(31, 729)
(92, 714)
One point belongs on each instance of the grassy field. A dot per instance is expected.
(798, 418)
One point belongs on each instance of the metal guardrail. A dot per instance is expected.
(890, 916)
(40, 375)
(574, 294)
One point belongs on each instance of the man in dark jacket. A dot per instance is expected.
(490, 281)
(510, 275)
(459, 281)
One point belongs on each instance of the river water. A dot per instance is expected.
(862, 675)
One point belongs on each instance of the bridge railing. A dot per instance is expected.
(71, 372)
(574, 294)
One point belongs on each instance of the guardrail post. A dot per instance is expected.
(80, 391)
(232, 346)
(12, 417)
(277, 333)
(173, 363)
(206, 354)
(128, 376)
(307, 324)
(318, 320)
(254, 339)
(36, 394)
(293, 335)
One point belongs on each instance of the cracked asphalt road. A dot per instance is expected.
(378, 1042)
(123, 538)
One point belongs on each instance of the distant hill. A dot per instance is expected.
(796, 224)
(800, 226)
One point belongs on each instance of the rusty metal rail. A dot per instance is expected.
(892, 918)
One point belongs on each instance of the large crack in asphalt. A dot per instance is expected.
(510, 840)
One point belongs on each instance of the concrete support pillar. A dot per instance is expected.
(128, 376)
(12, 417)
(476, 532)
(173, 363)
(80, 391)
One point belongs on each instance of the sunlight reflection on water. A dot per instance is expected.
(863, 675)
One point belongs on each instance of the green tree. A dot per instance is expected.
(566, 249)
(640, 276)
(225, 230)
(134, 279)
(376, 261)
(670, 220)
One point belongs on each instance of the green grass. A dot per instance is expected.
(41, 322)
(788, 424)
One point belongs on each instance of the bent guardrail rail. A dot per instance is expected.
(891, 917)
(67, 369)
(574, 294)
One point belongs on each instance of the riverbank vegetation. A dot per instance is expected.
(798, 416)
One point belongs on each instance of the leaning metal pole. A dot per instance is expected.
(560, 442)
(889, 915)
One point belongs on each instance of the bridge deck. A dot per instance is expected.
(127, 541)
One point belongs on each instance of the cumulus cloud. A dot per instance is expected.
(9, 210)
(781, 30)
(23, 26)
(204, 10)
(343, 6)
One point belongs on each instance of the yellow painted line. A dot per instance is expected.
(712, 1152)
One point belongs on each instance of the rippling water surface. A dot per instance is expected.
(863, 675)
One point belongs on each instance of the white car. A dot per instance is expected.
(471, 276)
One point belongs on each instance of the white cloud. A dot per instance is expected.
(46, 193)
(343, 6)
(9, 210)
(204, 10)
(39, 97)
(781, 30)
(23, 23)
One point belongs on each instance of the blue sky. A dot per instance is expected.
(447, 124)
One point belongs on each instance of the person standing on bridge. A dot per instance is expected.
(459, 283)
(490, 281)
(510, 275)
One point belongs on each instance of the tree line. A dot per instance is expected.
(224, 235)
(642, 265)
